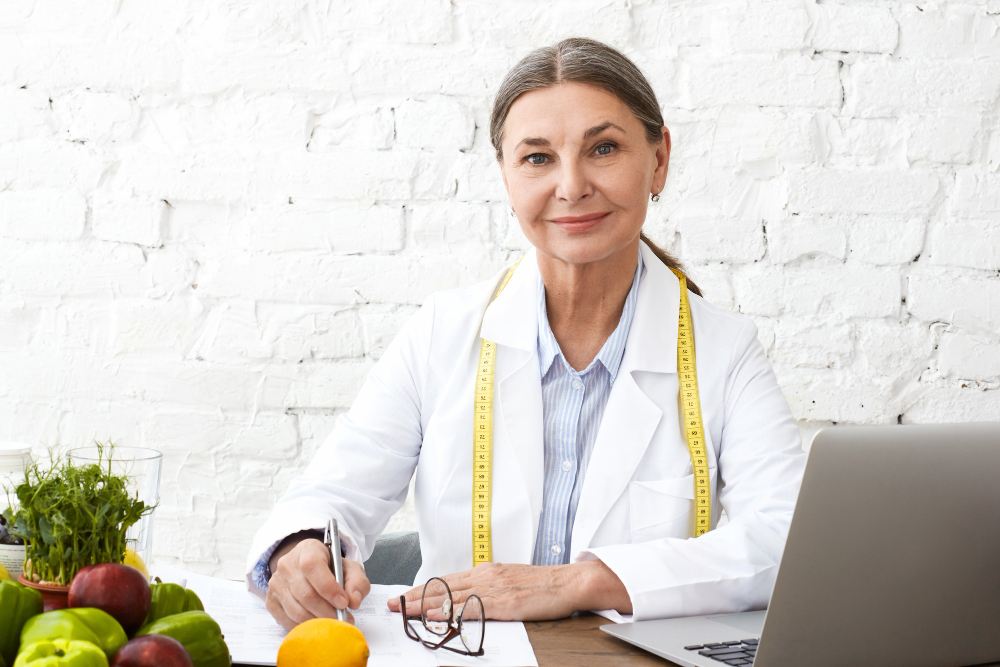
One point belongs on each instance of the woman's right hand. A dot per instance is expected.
(303, 586)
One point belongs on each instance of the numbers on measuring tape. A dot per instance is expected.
(482, 438)
(690, 405)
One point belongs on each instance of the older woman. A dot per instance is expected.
(572, 448)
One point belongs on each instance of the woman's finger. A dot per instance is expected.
(305, 593)
(273, 605)
(356, 582)
(314, 564)
(294, 611)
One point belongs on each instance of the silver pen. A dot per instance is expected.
(332, 540)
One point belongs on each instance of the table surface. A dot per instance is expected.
(577, 641)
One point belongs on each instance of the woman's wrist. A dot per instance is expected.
(594, 585)
(289, 543)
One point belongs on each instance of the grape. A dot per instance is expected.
(5, 536)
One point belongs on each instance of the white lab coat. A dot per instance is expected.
(636, 506)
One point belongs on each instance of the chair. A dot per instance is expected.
(395, 558)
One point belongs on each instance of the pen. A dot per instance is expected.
(332, 539)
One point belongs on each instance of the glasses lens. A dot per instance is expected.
(435, 607)
(473, 621)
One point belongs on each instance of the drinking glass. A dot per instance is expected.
(142, 467)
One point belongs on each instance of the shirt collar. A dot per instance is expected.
(610, 355)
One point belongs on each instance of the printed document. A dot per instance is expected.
(253, 636)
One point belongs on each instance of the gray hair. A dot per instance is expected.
(588, 61)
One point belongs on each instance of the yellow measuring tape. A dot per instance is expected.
(482, 438)
(690, 404)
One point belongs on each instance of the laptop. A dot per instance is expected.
(892, 558)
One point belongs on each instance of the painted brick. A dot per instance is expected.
(526, 25)
(40, 215)
(796, 236)
(862, 191)
(890, 87)
(449, 227)
(43, 164)
(434, 122)
(347, 125)
(859, 28)
(128, 220)
(884, 239)
(946, 31)
(965, 357)
(971, 243)
(845, 291)
(768, 26)
(790, 80)
(723, 239)
(948, 138)
(976, 192)
(971, 302)
(958, 402)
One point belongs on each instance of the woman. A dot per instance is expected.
(592, 484)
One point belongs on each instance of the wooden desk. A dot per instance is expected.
(577, 641)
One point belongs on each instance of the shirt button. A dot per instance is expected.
(567, 465)
(577, 385)
(556, 549)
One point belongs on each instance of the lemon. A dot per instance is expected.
(4, 574)
(133, 559)
(323, 642)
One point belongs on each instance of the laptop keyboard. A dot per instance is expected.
(728, 653)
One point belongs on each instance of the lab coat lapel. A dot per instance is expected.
(511, 321)
(630, 417)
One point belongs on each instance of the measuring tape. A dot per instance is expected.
(690, 404)
(482, 436)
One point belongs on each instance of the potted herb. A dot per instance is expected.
(71, 516)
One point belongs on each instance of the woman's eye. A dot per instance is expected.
(609, 144)
(527, 158)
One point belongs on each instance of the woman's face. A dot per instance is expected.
(575, 150)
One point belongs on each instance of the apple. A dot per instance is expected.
(120, 590)
(152, 651)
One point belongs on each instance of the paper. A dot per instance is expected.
(615, 615)
(253, 636)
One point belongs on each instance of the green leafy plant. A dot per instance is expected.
(71, 516)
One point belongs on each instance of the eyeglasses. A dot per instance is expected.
(471, 624)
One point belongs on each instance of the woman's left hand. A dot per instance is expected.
(511, 592)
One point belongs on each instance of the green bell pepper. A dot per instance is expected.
(170, 599)
(61, 653)
(18, 603)
(198, 632)
(87, 624)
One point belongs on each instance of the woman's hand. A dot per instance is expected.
(302, 586)
(515, 592)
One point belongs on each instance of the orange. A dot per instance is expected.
(323, 642)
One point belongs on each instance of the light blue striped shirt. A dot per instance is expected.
(573, 404)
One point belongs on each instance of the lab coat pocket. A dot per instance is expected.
(661, 508)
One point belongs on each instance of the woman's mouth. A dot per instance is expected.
(579, 223)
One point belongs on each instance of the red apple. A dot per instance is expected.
(120, 590)
(152, 651)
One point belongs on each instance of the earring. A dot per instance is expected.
(655, 197)
(512, 212)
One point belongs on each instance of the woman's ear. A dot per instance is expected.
(662, 160)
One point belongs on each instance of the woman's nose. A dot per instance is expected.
(573, 182)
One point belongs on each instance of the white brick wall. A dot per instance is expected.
(214, 220)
